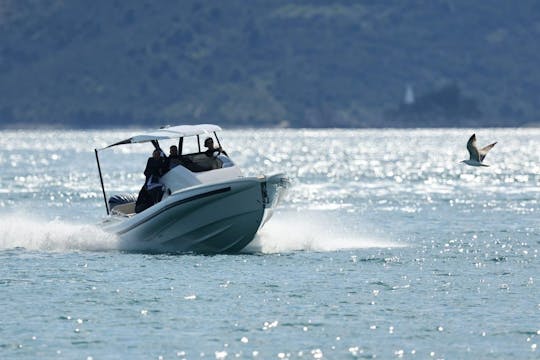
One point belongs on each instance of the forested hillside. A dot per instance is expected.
(255, 63)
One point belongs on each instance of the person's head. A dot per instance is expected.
(155, 154)
(209, 143)
(173, 150)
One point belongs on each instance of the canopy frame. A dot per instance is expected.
(169, 132)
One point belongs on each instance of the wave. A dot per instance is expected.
(285, 232)
(313, 231)
(19, 231)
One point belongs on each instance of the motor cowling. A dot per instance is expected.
(120, 199)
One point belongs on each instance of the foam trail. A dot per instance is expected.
(17, 231)
(313, 231)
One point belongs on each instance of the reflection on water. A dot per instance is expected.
(385, 246)
(380, 175)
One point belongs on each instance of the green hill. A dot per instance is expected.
(269, 63)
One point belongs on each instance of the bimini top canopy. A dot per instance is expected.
(170, 132)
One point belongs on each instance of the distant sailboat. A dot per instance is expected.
(409, 95)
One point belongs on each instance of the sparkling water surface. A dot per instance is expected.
(385, 247)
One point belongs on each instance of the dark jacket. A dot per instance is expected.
(154, 168)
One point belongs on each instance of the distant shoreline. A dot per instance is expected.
(52, 127)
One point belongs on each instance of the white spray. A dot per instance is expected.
(312, 231)
(19, 231)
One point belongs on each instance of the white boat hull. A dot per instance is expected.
(190, 202)
(216, 218)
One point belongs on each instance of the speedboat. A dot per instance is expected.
(205, 204)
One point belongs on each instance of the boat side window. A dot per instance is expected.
(194, 157)
(188, 163)
(201, 162)
(178, 157)
(189, 146)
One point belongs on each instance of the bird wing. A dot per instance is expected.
(483, 151)
(473, 150)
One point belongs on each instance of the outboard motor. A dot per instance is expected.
(120, 199)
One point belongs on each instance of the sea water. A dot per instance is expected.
(384, 247)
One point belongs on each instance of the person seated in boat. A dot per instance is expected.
(174, 159)
(211, 150)
(152, 190)
(155, 167)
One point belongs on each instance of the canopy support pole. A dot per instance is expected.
(219, 144)
(101, 180)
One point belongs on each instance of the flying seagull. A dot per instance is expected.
(476, 156)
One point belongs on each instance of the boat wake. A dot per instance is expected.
(312, 231)
(18, 231)
(287, 232)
